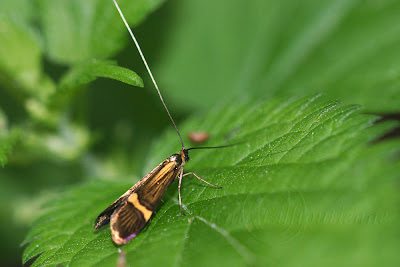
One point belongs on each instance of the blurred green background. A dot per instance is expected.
(201, 52)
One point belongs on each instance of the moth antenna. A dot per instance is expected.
(212, 147)
(148, 69)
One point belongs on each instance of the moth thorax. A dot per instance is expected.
(177, 159)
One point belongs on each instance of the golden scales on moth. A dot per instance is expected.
(130, 212)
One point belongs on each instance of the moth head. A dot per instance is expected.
(181, 158)
(185, 153)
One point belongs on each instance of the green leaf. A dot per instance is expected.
(50, 109)
(76, 30)
(307, 187)
(21, 10)
(7, 142)
(8, 138)
(86, 72)
(20, 54)
(345, 48)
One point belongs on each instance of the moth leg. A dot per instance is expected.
(201, 179)
(179, 190)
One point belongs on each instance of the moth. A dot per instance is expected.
(129, 214)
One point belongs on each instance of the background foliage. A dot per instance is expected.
(334, 175)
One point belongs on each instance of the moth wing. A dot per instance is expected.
(105, 217)
(129, 220)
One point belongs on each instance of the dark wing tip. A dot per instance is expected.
(104, 217)
(101, 221)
